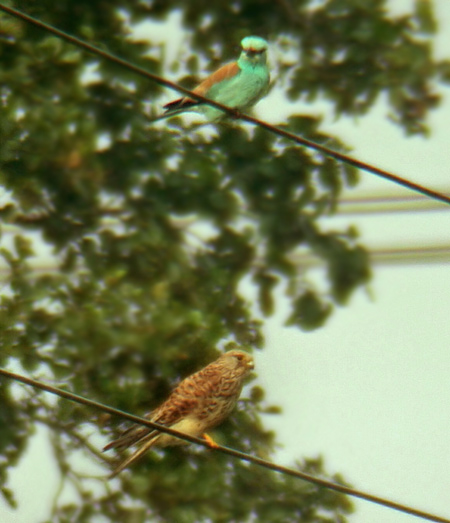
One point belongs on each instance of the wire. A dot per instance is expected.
(388, 204)
(225, 450)
(381, 255)
(413, 255)
(229, 110)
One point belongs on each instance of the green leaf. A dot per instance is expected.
(309, 312)
(8, 496)
(23, 247)
(425, 16)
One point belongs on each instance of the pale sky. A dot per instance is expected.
(371, 390)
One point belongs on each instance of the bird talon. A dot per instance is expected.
(211, 443)
(235, 114)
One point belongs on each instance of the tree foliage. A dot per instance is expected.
(154, 229)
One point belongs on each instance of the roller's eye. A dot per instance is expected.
(253, 52)
(240, 357)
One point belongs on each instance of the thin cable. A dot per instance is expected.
(230, 111)
(439, 255)
(225, 450)
(382, 204)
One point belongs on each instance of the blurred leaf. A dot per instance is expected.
(9, 497)
(23, 247)
(309, 312)
(266, 283)
(425, 16)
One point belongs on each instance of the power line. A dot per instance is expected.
(225, 450)
(385, 256)
(388, 256)
(228, 110)
(377, 204)
(439, 254)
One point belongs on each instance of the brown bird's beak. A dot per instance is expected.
(251, 365)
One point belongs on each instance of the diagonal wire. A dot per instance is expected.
(225, 450)
(229, 110)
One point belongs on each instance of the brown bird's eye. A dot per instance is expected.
(239, 357)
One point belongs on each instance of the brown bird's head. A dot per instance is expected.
(237, 361)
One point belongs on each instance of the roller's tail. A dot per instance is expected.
(179, 106)
(168, 114)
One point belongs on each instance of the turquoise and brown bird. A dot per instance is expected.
(239, 85)
(199, 403)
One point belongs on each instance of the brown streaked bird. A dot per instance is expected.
(199, 403)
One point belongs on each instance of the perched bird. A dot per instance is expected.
(200, 402)
(238, 84)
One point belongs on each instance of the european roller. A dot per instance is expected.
(239, 84)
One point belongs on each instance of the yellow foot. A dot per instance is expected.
(211, 443)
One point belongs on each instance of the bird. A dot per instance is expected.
(239, 84)
(199, 403)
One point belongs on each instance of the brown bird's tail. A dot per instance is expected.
(148, 443)
(135, 434)
(130, 437)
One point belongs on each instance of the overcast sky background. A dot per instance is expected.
(370, 391)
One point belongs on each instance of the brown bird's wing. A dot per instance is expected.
(210, 394)
(172, 410)
(176, 407)
(131, 436)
